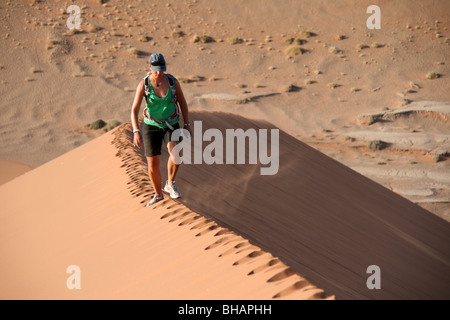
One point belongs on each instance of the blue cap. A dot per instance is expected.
(157, 62)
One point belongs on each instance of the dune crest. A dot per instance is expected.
(86, 208)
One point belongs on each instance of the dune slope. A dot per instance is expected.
(234, 235)
(325, 220)
(83, 209)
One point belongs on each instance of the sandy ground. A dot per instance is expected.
(348, 86)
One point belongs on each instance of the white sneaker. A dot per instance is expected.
(172, 190)
(155, 199)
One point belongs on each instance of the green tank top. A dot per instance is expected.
(160, 108)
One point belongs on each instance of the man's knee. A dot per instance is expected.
(153, 163)
(173, 156)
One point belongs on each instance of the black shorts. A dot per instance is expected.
(153, 137)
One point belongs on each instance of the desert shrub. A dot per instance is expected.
(333, 85)
(294, 50)
(177, 34)
(291, 88)
(375, 45)
(361, 46)
(437, 158)
(290, 40)
(372, 119)
(97, 124)
(134, 52)
(235, 40)
(377, 145)
(202, 39)
(297, 41)
(432, 75)
(307, 34)
(206, 39)
(112, 124)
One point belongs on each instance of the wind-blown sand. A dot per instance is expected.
(349, 86)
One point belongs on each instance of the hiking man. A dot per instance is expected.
(164, 98)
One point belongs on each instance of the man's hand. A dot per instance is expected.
(137, 140)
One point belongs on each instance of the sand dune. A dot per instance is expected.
(53, 82)
(311, 68)
(326, 221)
(85, 208)
(314, 223)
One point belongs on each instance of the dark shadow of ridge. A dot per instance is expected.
(326, 221)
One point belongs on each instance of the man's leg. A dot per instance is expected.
(154, 173)
(172, 168)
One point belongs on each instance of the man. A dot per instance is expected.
(161, 117)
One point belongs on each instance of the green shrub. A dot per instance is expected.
(437, 158)
(294, 50)
(112, 124)
(377, 145)
(432, 75)
(202, 39)
(134, 52)
(177, 34)
(97, 124)
(307, 34)
(372, 119)
(235, 40)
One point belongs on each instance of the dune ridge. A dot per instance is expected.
(322, 76)
(84, 208)
(309, 232)
(54, 81)
(339, 224)
(228, 241)
(326, 221)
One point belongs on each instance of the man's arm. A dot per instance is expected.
(183, 105)
(137, 140)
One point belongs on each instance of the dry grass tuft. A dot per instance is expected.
(307, 34)
(333, 85)
(134, 52)
(432, 75)
(177, 34)
(202, 39)
(376, 45)
(235, 40)
(294, 50)
(361, 46)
